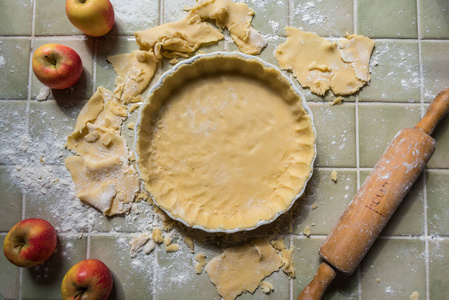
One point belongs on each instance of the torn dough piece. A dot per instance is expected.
(97, 131)
(134, 72)
(287, 261)
(189, 242)
(178, 38)
(334, 176)
(108, 185)
(266, 287)
(201, 259)
(172, 248)
(138, 242)
(236, 17)
(319, 64)
(102, 174)
(336, 101)
(157, 236)
(240, 269)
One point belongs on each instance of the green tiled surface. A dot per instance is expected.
(336, 145)
(14, 65)
(438, 269)
(394, 269)
(11, 211)
(434, 24)
(9, 276)
(409, 66)
(435, 58)
(13, 10)
(395, 73)
(438, 205)
(387, 19)
(375, 119)
(330, 199)
(325, 18)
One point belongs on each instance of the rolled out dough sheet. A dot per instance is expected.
(321, 65)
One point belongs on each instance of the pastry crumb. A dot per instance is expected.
(278, 244)
(131, 126)
(134, 107)
(189, 242)
(414, 296)
(334, 176)
(307, 231)
(266, 287)
(157, 236)
(378, 280)
(172, 248)
(314, 206)
(201, 259)
(337, 101)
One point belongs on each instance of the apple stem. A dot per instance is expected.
(52, 61)
(80, 294)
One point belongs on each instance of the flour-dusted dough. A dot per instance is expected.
(183, 37)
(101, 173)
(240, 269)
(236, 17)
(224, 150)
(319, 64)
(178, 38)
(134, 72)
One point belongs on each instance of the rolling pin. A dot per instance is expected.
(376, 201)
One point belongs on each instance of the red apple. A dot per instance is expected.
(57, 66)
(93, 17)
(88, 280)
(30, 242)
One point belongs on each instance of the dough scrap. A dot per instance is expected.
(179, 38)
(134, 72)
(171, 248)
(101, 173)
(137, 243)
(236, 17)
(278, 244)
(157, 236)
(321, 65)
(189, 242)
(334, 176)
(287, 262)
(266, 287)
(242, 268)
(201, 259)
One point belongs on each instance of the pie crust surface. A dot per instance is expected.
(225, 143)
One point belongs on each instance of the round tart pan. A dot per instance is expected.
(225, 142)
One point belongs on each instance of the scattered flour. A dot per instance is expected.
(2, 62)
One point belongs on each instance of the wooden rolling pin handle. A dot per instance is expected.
(315, 289)
(436, 111)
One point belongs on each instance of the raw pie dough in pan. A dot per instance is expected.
(225, 142)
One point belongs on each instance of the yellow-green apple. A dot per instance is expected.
(90, 279)
(30, 242)
(93, 17)
(57, 66)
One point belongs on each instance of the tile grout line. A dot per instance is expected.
(30, 76)
(426, 228)
(357, 146)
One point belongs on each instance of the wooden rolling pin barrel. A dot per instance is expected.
(377, 199)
